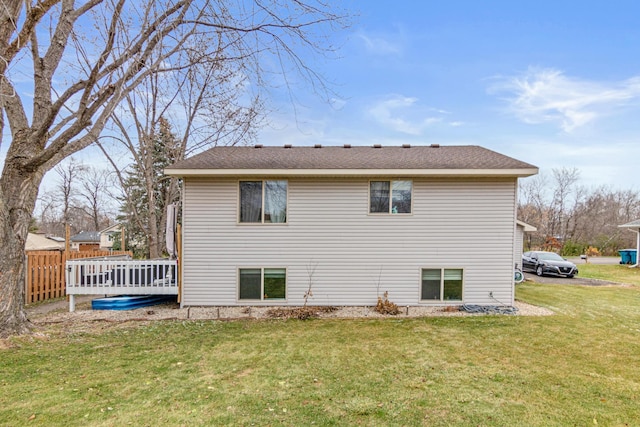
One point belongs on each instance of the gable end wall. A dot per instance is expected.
(455, 224)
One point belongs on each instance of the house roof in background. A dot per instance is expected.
(115, 228)
(632, 224)
(86, 237)
(352, 160)
(527, 228)
(40, 242)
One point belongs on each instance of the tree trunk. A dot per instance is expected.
(18, 193)
(152, 225)
(13, 319)
(154, 252)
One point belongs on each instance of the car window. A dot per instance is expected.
(551, 257)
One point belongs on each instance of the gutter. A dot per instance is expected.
(231, 173)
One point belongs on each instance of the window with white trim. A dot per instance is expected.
(263, 201)
(262, 284)
(441, 284)
(390, 197)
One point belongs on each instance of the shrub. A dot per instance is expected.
(592, 251)
(573, 248)
(387, 307)
(301, 313)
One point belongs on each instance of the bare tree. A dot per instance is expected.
(80, 198)
(49, 218)
(564, 191)
(93, 54)
(69, 174)
(599, 215)
(93, 195)
(207, 103)
(532, 206)
(575, 217)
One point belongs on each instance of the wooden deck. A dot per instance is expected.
(121, 277)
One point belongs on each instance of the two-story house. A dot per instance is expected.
(432, 225)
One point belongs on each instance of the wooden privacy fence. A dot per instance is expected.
(45, 275)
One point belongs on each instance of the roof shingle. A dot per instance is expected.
(349, 158)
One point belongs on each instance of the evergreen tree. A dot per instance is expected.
(148, 192)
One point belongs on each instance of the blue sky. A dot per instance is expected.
(552, 83)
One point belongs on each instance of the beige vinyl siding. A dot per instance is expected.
(454, 224)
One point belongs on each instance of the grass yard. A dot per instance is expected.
(578, 367)
(614, 272)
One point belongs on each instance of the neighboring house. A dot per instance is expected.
(521, 229)
(635, 227)
(107, 236)
(41, 242)
(432, 225)
(85, 241)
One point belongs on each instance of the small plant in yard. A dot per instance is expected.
(385, 306)
(592, 251)
(305, 312)
(311, 271)
(300, 313)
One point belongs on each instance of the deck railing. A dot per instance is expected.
(45, 275)
(121, 277)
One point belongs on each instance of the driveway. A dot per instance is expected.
(577, 280)
(595, 260)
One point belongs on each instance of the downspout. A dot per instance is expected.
(637, 248)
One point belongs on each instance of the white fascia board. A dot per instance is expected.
(526, 227)
(632, 225)
(520, 173)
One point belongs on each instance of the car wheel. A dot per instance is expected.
(539, 270)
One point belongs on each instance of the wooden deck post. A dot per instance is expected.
(67, 255)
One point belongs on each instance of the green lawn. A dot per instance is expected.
(615, 273)
(578, 367)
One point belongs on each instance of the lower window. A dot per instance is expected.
(441, 284)
(263, 283)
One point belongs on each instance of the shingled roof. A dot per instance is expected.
(351, 160)
(632, 224)
(86, 237)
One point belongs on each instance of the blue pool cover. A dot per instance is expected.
(130, 302)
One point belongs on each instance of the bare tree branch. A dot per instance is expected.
(88, 56)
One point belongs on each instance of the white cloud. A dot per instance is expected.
(380, 45)
(402, 114)
(548, 95)
(337, 103)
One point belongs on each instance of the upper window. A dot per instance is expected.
(390, 197)
(441, 284)
(263, 201)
